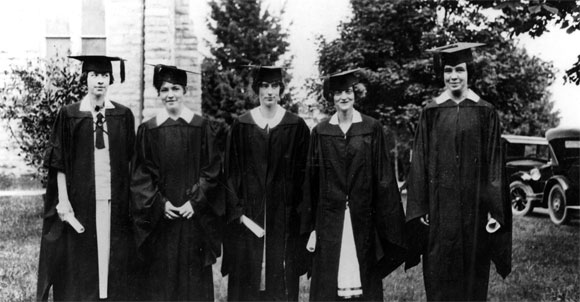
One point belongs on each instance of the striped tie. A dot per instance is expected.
(100, 142)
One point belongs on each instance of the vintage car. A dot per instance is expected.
(538, 180)
(561, 192)
(525, 157)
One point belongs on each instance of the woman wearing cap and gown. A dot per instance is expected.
(351, 208)
(457, 208)
(265, 159)
(176, 200)
(88, 160)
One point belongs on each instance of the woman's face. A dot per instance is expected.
(455, 77)
(344, 99)
(172, 96)
(98, 83)
(269, 94)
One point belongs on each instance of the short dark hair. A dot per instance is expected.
(256, 87)
(360, 91)
(85, 74)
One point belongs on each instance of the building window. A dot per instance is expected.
(57, 47)
(58, 40)
(93, 36)
(94, 45)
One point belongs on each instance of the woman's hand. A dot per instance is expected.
(171, 212)
(492, 224)
(311, 245)
(64, 208)
(425, 220)
(186, 210)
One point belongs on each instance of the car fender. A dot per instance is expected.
(557, 179)
(522, 176)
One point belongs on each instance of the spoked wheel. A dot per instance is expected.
(557, 205)
(519, 193)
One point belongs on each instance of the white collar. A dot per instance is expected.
(186, 115)
(263, 122)
(446, 95)
(86, 105)
(356, 118)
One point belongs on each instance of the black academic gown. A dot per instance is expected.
(177, 161)
(457, 177)
(354, 168)
(68, 261)
(265, 170)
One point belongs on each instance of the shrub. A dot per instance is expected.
(32, 95)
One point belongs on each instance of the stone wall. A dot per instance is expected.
(186, 54)
(123, 30)
(169, 40)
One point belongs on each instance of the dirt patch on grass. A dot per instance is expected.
(9, 182)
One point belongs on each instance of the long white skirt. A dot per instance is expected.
(103, 209)
(103, 216)
(349, 284)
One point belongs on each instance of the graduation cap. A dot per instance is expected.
(453, 54)
(101, 64)
(268, 74)
(167, 73)
(339, 81)
(342, 80)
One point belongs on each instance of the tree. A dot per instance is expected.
(533, 17)
(389, 40)
(244, 35)
(31, 98)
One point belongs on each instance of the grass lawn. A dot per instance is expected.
(20, 228)
(546, 260)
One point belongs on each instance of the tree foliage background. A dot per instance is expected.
(535, 16)
(31, 99)
(246, 34)
(389, 40)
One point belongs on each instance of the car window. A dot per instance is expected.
(531, 151)
(572, 144)
(566, 149)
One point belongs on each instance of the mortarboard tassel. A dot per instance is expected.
(122, 63)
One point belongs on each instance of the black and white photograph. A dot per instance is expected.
(290, 150)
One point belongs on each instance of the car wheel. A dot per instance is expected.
(519, 193)
(557, 205)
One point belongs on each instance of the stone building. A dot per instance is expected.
(142, 32)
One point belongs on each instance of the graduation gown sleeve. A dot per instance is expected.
(389, 216)
(206, 192)
(310, 188)
(148, 202)
(233, 172)
(496, 192)
(417, 196)
(417, 183)
(207, 195)
(52, 243)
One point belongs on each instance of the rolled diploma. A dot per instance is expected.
(74, 223)
(252, 226)
(311, 244)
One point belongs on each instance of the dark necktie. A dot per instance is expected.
(100, 141)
